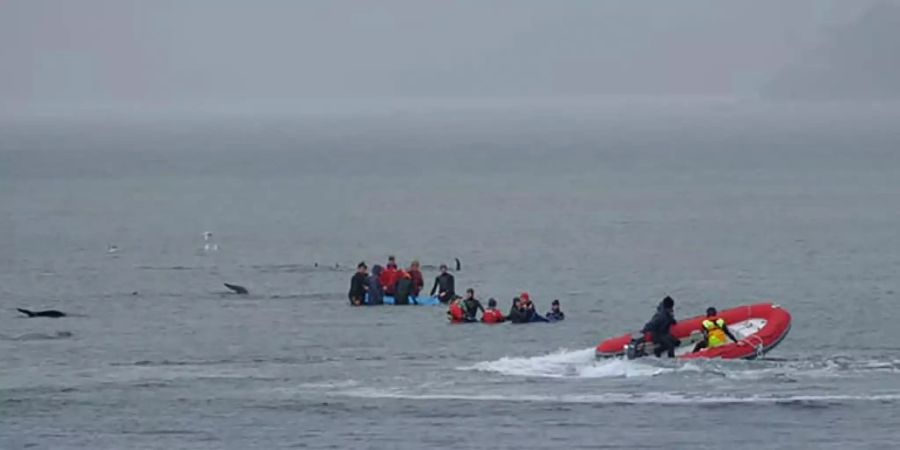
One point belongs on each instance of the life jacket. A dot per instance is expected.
(715, 331)
(492, 316)
(389, 278)
(456, 313)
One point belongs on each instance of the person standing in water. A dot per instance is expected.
(376, 291)
(358, 286)
(416, 273)
(444, 285)
(471, 305)
(390, 276)
(404, 289)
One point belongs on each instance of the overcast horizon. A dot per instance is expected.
(228, 56)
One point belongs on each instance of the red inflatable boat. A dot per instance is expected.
(758, 328)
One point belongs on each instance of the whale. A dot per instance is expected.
(237, 289)
(46, 313)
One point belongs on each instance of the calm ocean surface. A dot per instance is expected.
(606, 209)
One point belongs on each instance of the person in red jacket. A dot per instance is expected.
(389, 277)
(456, 313)
(416, 273)
(492, 314)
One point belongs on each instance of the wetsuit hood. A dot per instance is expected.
(661, 321)
(661, 308)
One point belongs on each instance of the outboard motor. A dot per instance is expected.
(635, 348)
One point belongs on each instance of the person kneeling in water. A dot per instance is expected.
(714, 331)
(492, 314)
(555, 314)
(471, 305)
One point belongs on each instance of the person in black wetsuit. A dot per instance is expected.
(555, 314)
(471, 305)
(444, 285)
(660, 326)
(528, 310)
(358, 285)
(516, 314)
(375, 291)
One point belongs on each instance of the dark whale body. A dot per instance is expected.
(48, 313)
(237, 289)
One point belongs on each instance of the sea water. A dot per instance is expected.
(607, 210)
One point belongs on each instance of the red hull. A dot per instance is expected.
(777, 324)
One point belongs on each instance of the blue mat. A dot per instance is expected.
(413, 301)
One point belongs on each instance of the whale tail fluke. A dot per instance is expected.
(26, 312)
(237, 289)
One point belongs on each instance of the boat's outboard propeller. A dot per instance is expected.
(635, 348)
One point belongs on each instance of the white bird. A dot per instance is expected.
(208, 246)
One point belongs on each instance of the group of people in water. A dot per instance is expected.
(715, 330)
(522, 310)
(406, 285)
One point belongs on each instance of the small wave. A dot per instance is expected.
(196, 435)
(167, 268)
(166, 362)
(301, 268)
(833, 367)
(310, 296)
(216, 362)
(284, 268)
(653, 398)
(37, 336)
(172, 432)
(331, 384)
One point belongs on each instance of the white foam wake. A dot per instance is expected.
(581, 364)
(574, 364)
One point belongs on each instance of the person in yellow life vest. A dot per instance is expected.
(714, 331)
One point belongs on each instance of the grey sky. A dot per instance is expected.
(178, 52)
